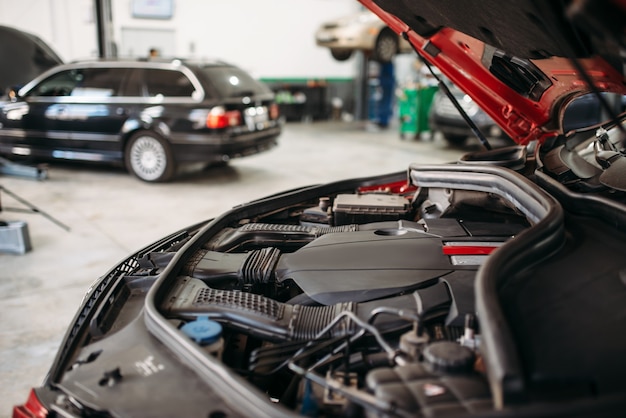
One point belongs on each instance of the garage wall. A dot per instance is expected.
(270, 38)
(68, 26)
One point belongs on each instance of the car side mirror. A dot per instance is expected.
(13, 93)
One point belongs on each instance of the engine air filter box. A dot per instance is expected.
(366, 208)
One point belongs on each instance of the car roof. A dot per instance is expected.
(157, 63)
(145, 62)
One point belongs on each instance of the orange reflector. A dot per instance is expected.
(274, 111)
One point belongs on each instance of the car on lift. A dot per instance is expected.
(493, 286)
(149, 115)
(362, 31)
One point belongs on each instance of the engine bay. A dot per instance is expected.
(426, 292)
(357, 301)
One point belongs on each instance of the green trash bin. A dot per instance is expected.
(424, 100)
(407, 109)
(413, 108)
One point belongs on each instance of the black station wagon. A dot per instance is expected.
(149, 115)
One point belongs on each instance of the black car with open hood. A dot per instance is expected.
(492, 286)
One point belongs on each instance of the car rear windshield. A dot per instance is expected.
(232, 81)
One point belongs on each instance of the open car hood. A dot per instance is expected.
(520, 61)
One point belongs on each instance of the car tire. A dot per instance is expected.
(386, 46)
(456, 140)
(149, 157)
(341, 54)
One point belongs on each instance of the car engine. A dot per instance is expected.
(385, 296)
(351, 303)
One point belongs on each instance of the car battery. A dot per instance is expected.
(14, 237)
(366, 208)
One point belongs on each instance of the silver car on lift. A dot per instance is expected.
(362, 31)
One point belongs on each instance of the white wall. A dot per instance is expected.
(270, 38)
(68, 26)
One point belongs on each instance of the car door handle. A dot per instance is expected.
(57, 112)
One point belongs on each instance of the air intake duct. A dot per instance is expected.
(266, 318)
(291, 237)
(248, 268)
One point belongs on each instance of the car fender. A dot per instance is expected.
(133, 125)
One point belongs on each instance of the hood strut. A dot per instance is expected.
(442, 85)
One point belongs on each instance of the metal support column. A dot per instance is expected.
(104, 28)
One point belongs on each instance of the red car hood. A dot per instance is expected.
(519, 61)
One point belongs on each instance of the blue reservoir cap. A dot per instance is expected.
(203, 330)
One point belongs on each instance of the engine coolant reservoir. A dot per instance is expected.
(207, 333)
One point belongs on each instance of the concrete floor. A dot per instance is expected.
(111, 214)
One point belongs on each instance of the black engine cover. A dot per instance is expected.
(365, 265)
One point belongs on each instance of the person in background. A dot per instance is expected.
(387, 84)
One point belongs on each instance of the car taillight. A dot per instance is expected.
(274, 111)
(31, 409)
(219, 117)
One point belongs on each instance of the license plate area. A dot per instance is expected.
(256, 118)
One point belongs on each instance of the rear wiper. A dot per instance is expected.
(448, 93)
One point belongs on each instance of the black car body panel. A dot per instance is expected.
(89, 111)
(25, 56)
(492, 286)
